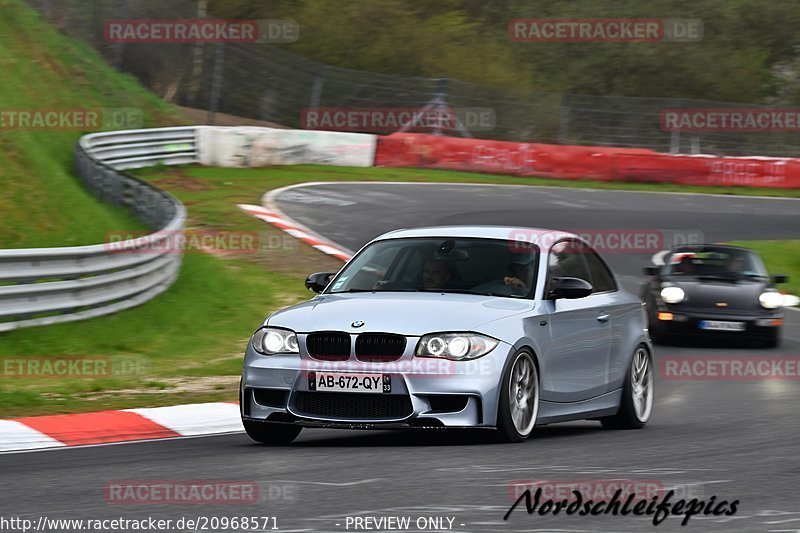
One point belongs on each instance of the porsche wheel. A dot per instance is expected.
(773, 338)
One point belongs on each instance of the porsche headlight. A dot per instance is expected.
(455, 346)
(770, 299)
(672, 294)
(270, 341)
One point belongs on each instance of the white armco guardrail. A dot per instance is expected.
(41, 286)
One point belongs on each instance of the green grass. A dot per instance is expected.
(41, 203)
(781, 257)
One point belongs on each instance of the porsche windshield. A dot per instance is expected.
(716, 263)
(459, 265)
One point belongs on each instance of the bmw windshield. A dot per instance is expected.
(489, 267)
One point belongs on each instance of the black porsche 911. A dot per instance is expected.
(713, 289)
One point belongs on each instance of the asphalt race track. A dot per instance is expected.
(736, 440)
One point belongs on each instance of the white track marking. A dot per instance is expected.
(17, 436)
(195, 419)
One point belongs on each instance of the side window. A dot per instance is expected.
(566, 261)
(602, 278)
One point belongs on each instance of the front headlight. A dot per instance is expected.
(270, 341)
(456, 346)
(770, 299)
(672, 294)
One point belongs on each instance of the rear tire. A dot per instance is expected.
(271, 433)
(637, 394)
(519, 399)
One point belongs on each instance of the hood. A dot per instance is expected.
(411, 314)
(739, 295)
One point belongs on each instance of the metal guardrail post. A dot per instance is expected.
(563, 120)
(216, 81)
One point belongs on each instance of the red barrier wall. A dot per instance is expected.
(577, 162)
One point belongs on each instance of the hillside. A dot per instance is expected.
(41, 203)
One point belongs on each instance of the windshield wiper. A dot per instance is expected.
(376, 290)
(751, 275)
(353, 290)
(461, 291)
(720, 277)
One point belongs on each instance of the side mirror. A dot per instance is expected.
(571, 288)
(780, 278)
(652, 270)
(317, 282)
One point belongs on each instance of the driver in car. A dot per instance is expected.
(735, 265)
(520, 272)
(437, 274)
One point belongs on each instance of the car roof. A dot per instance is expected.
(709, 248)
(512, 233)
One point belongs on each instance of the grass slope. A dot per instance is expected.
(41, 203)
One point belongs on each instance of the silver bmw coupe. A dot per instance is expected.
(461, 326)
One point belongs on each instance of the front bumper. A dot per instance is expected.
(686, 322)
(425, 392)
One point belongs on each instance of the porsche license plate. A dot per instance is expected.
(338, 382)
(722, 325)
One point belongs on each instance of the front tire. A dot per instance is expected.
(773, 338)
(270, 432)
(637, 394)
(519, 399)
(655, 330)
(656, 335)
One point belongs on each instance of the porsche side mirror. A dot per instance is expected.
(652, 270)
(571, 288)
(780, 278)
(317, 282)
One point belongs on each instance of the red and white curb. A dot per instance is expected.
(293, 229)
(105, 427)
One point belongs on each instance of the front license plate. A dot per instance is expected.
(337, 382)
(721, 325)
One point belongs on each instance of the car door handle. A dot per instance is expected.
(604, 317)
